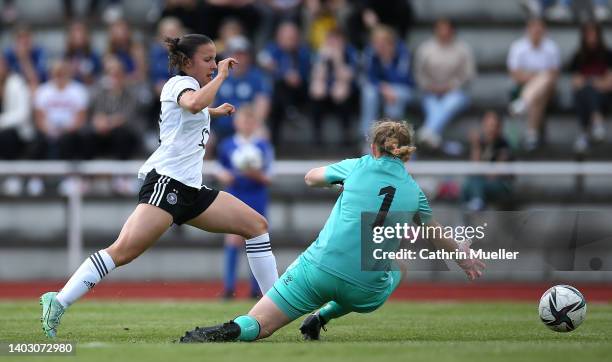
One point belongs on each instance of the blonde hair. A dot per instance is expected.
(393, 138)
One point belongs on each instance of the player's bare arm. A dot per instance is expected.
(196, 101)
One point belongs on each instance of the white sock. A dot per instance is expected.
(262, 261)
(93, 269)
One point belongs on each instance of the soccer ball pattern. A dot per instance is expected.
(562, 308)
(247, 157)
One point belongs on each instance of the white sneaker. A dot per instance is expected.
(517, 108)
(581, 145)
(559, 12)
(598, 132)
(602, 13)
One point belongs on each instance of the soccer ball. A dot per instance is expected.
(247, 157)
(562, 308)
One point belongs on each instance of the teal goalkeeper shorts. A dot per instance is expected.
(304, 288)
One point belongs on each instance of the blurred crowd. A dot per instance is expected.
(299, 61)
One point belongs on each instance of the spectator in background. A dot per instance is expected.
(85, 63)
(276, 12)
(187, 11)
(592, 82)
(488, 145)
(26, 58)
(229, 28)
(15, 110)
(158, 54)
(388, 80)
(246, 84)
(288, 62)
(443, 67)
(15, 124)
(131, 53)
(115, 124)
(214, 12)
(367, 15)
(332, 83)
(246, 160)
(533, 61)
(60, 107)
(320, 17)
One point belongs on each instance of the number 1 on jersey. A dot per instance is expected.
(389, 193)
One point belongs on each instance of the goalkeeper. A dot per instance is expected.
(327, 277)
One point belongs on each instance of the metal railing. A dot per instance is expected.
(281, 168)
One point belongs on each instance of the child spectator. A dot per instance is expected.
(246, 160)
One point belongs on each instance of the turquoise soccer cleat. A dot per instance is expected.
(52, 312)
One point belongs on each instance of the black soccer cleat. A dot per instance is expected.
(311, 327)
(226, 332)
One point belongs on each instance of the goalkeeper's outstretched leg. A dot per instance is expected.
(262, 321)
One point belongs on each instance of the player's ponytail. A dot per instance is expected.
(393, 138)
(181, 50)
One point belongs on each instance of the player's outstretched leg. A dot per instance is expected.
(263, 320)
(90, 273)
(146, 224)
(312, 325)
(228, 215)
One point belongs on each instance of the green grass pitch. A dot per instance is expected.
(399, 331)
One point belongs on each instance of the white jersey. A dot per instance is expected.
(182, 136)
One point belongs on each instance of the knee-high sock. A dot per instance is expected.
(332, 310)
(249, 328)
(90, 273)
(262, 261)
(231, 257)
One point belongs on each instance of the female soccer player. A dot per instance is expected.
(172, 190)
(328, 275)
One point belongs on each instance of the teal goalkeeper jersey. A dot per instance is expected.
(367, 182)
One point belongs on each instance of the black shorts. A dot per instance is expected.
(181, 201)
